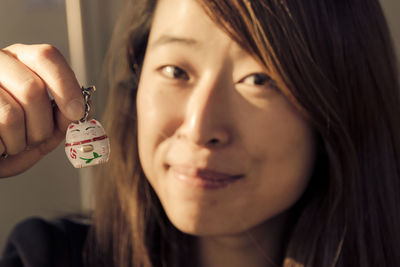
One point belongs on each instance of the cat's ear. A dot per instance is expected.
(71, 126)
(93, 122)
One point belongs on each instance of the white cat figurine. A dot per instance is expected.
(86, 144)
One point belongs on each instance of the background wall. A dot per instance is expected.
(53, 188)
(392, 11)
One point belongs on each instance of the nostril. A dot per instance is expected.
(213, 141)
(210, 138)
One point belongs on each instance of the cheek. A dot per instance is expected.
(279, 133)
(159, 107)
(283, 152)
(74, 136)
(158, 118)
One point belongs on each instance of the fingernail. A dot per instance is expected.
(75, 109)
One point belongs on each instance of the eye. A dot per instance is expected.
(174, 72)
(259, 79)
(90, 127)
(76, 130)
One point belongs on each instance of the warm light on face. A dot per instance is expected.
(222, 147)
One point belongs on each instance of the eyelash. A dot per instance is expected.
(265, 80)
(174, 72)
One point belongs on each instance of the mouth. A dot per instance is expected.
(203, 178)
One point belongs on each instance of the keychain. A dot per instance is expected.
(86, 143)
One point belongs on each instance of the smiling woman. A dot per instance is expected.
(197, 141)
(249, 133)
(255, 124)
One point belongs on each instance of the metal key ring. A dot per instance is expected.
(87, 93)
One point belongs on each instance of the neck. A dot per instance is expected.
(263, 245)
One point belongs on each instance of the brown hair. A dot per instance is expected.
(337, 60)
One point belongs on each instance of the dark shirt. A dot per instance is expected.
(39, 243)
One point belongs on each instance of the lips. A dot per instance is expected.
(203, 178)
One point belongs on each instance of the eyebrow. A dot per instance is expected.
(170, 39)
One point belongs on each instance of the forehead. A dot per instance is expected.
(185, 22)
(179, 14)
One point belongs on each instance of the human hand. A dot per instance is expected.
(30, 126)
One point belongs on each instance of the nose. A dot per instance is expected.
(206, 119)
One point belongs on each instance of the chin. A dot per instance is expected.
(198, 230)
(203, 227)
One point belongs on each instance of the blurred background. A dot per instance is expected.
(81, 30)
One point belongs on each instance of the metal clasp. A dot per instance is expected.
(87, 93)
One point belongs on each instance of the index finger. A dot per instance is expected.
(50, 65)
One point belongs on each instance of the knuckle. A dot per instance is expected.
(33, 89)
(40, 137)
(46, 51)
(12, 46)
(11, 115)
(15, 149)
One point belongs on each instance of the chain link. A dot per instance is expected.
(87, 93)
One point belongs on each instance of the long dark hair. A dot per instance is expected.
(337, 59)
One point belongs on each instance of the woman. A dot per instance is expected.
(247, 133)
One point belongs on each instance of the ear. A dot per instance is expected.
(93, 122)
(71, 126)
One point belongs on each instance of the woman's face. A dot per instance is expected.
(223, 149)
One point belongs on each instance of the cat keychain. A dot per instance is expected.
(86, 143)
